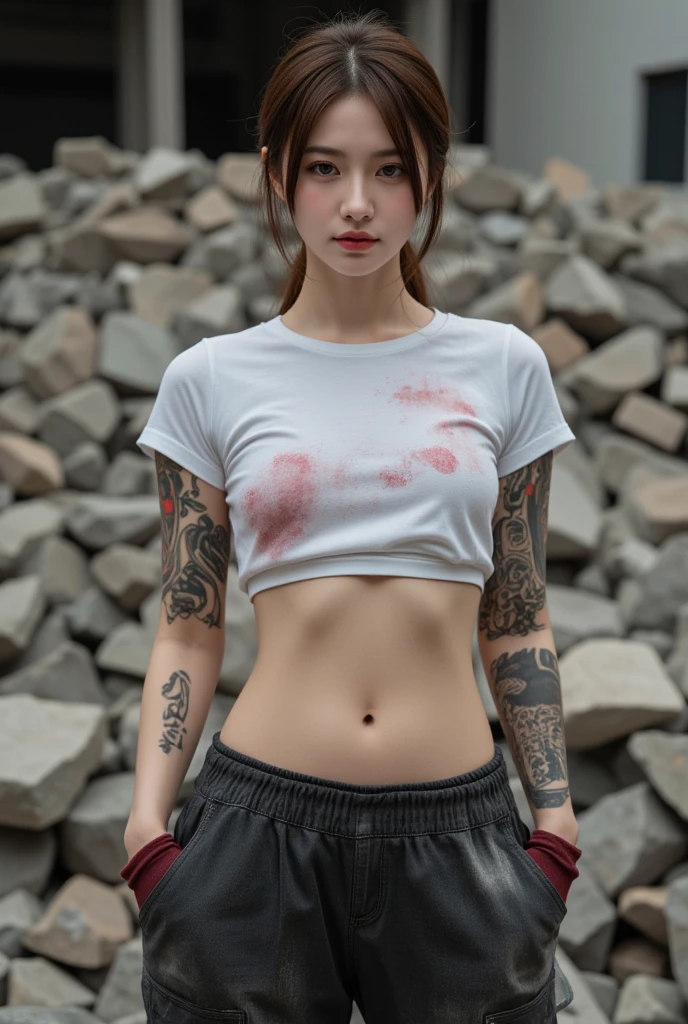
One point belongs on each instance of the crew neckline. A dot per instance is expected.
(366, 349)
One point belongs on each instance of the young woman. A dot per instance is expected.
(385, 468)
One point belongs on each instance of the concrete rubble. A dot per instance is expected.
(111, 263)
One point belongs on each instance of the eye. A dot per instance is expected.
(312, 167)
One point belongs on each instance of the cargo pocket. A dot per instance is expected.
(165, 1007)
(188, 830)
(540, 1010)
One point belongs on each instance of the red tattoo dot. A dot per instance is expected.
(167, 505)
(529, 489)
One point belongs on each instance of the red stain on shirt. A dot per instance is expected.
(280, 509)
(439, 398)
(396, 477)
(457, 432)
(437, 457)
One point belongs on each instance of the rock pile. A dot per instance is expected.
(110, 264)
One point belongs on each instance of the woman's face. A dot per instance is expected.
(356, 191)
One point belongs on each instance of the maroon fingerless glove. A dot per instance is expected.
(557, 857)
(143, 871)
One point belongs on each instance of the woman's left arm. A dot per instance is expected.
(517, 647)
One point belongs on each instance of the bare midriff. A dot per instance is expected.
(364, 679)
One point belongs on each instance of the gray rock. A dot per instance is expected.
(219, 310)
(19, 909)
(127, 574)
(576, 615)
(605, 240)
(162, 173)
(98, 520)
(134, 353)
(19, 410)
(631, 838)
(502, 228)
(574, 520)
(39, 782)
(52, 631)
(121, 993)
(26, 859)
(46, 1015)
(644, 997)
(586, 297)
(646, 304)
(630, 361)
(39, 980)
(21, 206)
(61, 566)
(664, 587)
(677, 927)
(587, 932)
(612, 687)
(583, 1007)
(663, 263)
(127, 648)
(20, 308)
(60, 352)
(93, 616)
(85, 466)
(22, 526)
(664, 760)
(66, 673)
(88, 157)
(21, 606)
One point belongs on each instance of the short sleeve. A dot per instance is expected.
(536, 423)
(179, 425)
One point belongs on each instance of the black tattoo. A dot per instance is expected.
(177, 690)
(194, 556)
(527, 692)
(515, 592)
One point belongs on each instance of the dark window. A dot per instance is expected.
(468, 74)
(57, 75)
(230, 51)
(40, 105)
(666, 100)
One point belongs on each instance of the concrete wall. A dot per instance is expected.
(566, 80)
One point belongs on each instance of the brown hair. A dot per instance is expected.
(359, 55)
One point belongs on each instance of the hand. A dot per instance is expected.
(136, 837)
(564, 826)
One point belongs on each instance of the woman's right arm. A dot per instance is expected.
(189, 645)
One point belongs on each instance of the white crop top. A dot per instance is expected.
(340, 459)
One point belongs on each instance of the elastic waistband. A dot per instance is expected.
(442, 805)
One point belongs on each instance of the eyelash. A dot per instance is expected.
(326, 163)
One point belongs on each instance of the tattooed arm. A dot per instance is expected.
(517, 646)
(189, 645)
(195, 553)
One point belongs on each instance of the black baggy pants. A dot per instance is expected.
(294, 895)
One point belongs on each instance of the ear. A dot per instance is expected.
(431, 191)
(275, 184)
(277, 187)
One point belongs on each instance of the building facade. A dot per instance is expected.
(602, 84)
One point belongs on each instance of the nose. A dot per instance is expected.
(357, 202)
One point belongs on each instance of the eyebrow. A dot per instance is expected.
(339, 152)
